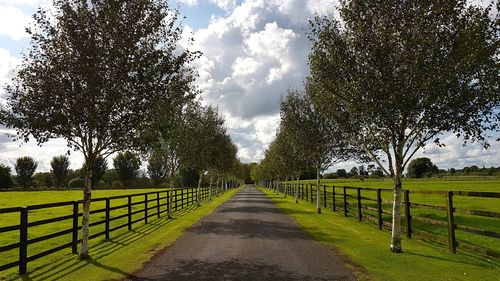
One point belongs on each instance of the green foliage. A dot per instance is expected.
(99, 170)
(342, 173)
(5, 177)
(25, 168)
(43, 180)
(397, 74)
(60, 169)
(127, 166)
(157, 167)
(420, 167)
(76, 183)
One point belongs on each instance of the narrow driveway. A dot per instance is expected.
(246, 238)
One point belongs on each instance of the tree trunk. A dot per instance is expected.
(170, 198)
(396, 216)
(198, 203)
(297, 191)
(87, 196)
(210, 189)
(318, 205)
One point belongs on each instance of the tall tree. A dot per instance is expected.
(60, 169)
(293, 136)
(127, 166)
(25, 168)
(157, 166)
(95, 71)
(322, 141)
(5, 177)
(204, 126)
(398, 74)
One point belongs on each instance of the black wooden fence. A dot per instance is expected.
(151, 204)
(420, 217)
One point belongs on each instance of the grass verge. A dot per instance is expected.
(122, 255)
(368, 247)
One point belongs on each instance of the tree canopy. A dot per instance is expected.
(396, 75)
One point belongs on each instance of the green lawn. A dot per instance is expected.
(368, 247)
(158, 233)
(460, 202)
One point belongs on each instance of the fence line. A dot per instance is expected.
(368, 204)
(182, 197)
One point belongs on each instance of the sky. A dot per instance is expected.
(253, 52)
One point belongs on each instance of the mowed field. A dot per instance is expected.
(16, 199)
(429, 219)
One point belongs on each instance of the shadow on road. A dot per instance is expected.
(250, 228)
(189, 270)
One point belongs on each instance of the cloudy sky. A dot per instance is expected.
(253, 51)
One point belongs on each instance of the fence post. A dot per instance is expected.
(23, 241)
(451, 222)
(106, 225)
(182, 198)
(175, 199)
(158, 204)
(312, 200)
(129, 212)
(379, 208)
(360, 216)
(407, 213)
(345, 202)
(307, 191)
(333, 199)
(146, 208)
(74, 236)
(324, 196)
(168, 201)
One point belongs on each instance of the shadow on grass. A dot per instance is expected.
(71, 263)
(189, 270)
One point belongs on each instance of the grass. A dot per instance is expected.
(123, 254)
(460, 202)
(368, 248)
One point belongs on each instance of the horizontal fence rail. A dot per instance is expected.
(133, 209)
(444, 222)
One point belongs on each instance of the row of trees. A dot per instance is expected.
(386, 80)
(110, 76)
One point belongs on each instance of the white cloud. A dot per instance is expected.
(13, 22)
(251, 57)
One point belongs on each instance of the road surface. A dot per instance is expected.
(246, 238)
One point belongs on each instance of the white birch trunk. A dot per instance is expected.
(297, 191)
(198, 203)
(318, 204)
(396, 217)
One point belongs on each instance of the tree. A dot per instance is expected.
(157, 167)
(342, 173)
(322, 139)
(292, 137)
(398, 74)
(165, 135)
(5, 177)
(43, 179)
(95, 72)
(25, 168)
(204, 126)
(100, 167)
(420, 166)
(127, 166)
(60, 169)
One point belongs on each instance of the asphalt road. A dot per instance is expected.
(246, 238)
